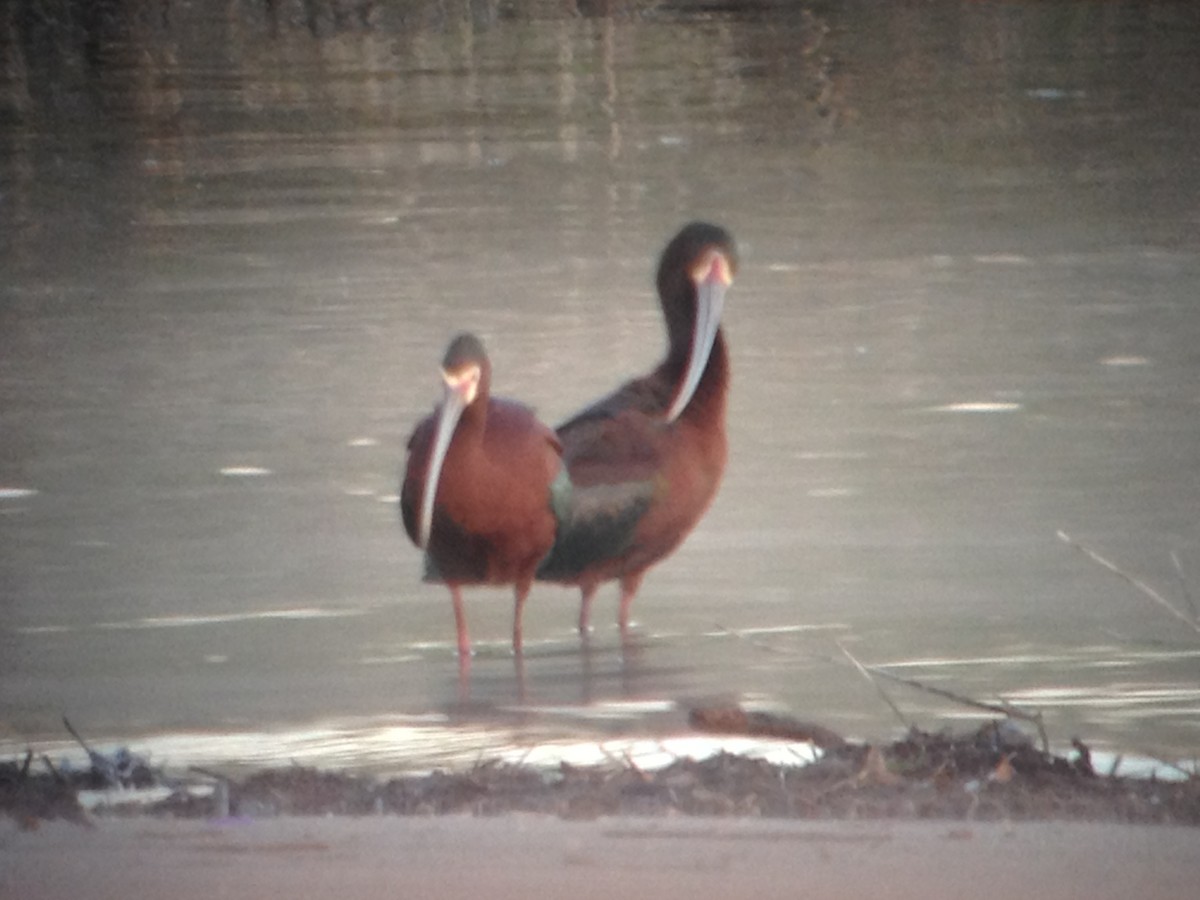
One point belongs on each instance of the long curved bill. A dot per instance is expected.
(452, 408)
(710, 300)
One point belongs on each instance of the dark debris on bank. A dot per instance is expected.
(986, 775)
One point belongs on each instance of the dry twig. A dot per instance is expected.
(866, 673)
(754, 642)
(1184, 586)
(1136, 582)
(1004, 709)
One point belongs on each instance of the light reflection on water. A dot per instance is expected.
(965, 319)
(423, 744)
(392, 747)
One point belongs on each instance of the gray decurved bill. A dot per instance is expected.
(710, 299)
(452, 408)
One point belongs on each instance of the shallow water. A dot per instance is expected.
(966, 319)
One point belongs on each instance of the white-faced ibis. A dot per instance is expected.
(645, 461)
(479, 487)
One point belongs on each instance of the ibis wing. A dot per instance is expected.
(614, 460)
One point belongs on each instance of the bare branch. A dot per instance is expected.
(1004, 709)
(754, 642)
(1136, 582)
(866, 673)
(1184, 586)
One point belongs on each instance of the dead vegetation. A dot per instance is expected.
(994, 773)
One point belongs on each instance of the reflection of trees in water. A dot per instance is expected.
(977, 82)
(473, 82)
(940, 76)
(60, 57)
(148, 98)
(424, 84)
(69, 56)
(946, 80)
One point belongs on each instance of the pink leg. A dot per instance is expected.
(521, 591)
(588, 591)
(460, 623)
(629, 588)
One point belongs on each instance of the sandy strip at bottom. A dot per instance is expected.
(515, 856)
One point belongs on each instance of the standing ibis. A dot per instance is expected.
(645, 461)
(480, 487)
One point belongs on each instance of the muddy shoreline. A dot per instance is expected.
(994, 774)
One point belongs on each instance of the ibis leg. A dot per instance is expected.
(629, 588)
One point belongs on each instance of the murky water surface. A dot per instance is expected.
(966, 319)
